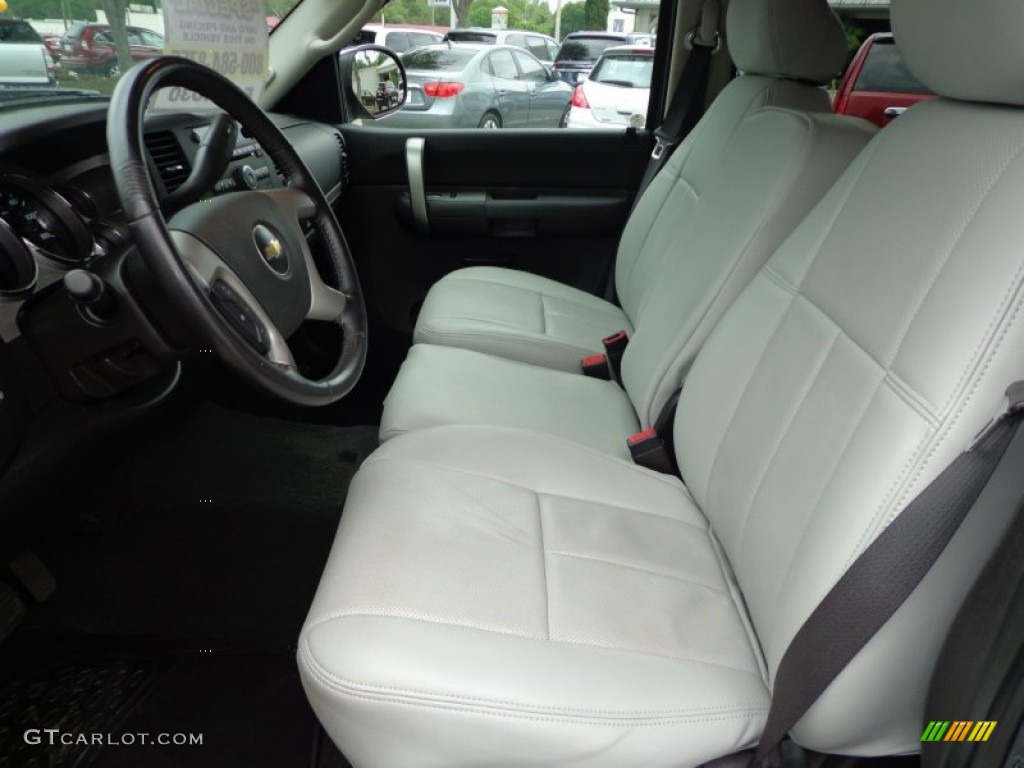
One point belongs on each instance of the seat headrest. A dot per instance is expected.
(791, 39)
(964, 49)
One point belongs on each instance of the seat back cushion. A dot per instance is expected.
(856, 365)
(717, 226)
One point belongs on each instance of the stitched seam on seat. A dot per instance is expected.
(522, 339)
(681, 343)
(598, 502)
(543, 315)
(836, 463)
(865, 158)
(327, 618)
(914, 399)
(895, 506)
(783, 433)
(743, 393)
(640, 569)
(321, 671)
(544, 567)
(668, 480)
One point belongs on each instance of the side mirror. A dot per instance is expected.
(375, 78)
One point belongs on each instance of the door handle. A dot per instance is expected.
(892, 112)
(414, 149)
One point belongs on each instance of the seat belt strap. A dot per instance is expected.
(688, 101)
(855, 608)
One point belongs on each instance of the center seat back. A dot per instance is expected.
(732, 190)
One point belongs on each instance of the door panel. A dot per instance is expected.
(552, 202)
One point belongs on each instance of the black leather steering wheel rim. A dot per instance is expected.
(177, 278)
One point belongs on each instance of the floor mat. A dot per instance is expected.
(217, 527)
(202, 710)
(183, 577)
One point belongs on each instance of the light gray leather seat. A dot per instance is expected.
(710, 219)
(785, 50)
(504, 597)
(775, 167)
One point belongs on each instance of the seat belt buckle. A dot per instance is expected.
(614, 349)
(648, 450)
(660, 146)
(596, 367)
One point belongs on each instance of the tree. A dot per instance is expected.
(573, 18)
(533, 15)
(115, 11)
(596, 13)
(461, 8)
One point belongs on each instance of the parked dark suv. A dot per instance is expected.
(89, 48)
(580, 50)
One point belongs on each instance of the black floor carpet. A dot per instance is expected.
(183, 579)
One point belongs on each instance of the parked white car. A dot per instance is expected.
(615, 94)
(398, 39)
(24, 59)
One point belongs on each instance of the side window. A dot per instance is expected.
(537, 47)
(525, 81)
(503, 66)
(103, 37)
(151, 39)
(397, 41)
(134, 37)
(422, 38)
(885, 72)
(532, 70)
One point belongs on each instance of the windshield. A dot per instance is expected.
(584, 48)
(885, 72)
(438, 58)
(71, 51)
(627, 70)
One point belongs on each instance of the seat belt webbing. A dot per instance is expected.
(688, 101)
(855, 608)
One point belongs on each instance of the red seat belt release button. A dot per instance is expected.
(596, 366)
(648, 450)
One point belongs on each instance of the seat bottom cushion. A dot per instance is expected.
(445, 385)
(517, 315)
(501, 597)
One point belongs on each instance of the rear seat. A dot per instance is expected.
(742, 181)
(505, 597)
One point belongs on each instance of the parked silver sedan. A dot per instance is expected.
(465, 85)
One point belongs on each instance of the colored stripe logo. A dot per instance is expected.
(958, 730)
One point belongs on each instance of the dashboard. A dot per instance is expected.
(59, 208)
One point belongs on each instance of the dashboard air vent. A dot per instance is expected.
(169, 158)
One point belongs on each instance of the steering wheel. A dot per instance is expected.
(238, 266)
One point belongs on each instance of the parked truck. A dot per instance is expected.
(24, 60)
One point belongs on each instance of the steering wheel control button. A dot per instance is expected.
(271, 249)
(239, 316)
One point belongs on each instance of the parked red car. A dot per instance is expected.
(53, 46)
(89, 48)
(877, 85)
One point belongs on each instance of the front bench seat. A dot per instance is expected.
(776, 165)
(502, 597)
(785, 49)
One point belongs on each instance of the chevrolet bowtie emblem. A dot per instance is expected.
(273, 250)
(270, 248)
